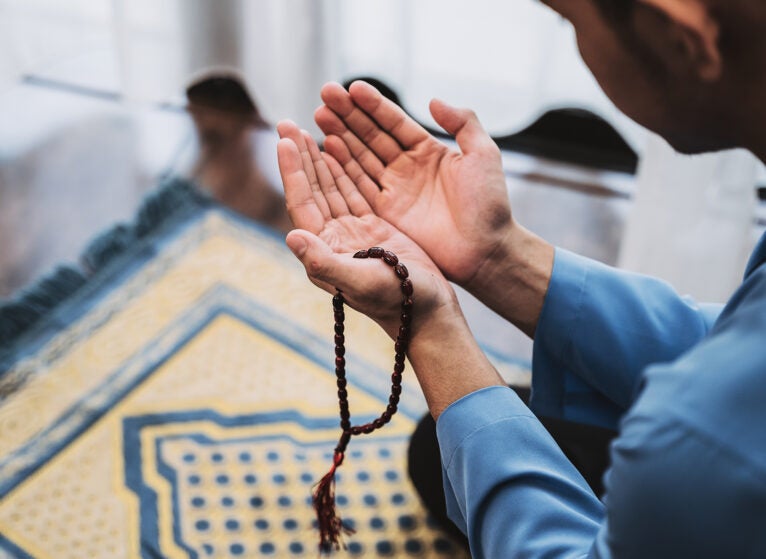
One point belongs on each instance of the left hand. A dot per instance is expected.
(334, 221)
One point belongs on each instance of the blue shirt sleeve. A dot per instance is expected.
(675, 489)
(508, 486)
(688, 474)
(598, 330)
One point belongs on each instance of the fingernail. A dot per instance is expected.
(297, 245)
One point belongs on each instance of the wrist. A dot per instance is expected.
(513, 279)
(447, 360)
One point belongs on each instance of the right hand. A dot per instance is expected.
(453, 203)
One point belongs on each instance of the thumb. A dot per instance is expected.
(317, 258)
(464, 125)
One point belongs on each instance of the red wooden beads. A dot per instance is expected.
(330, 525)
(400, 347)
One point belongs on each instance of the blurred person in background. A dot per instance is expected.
(235, 144)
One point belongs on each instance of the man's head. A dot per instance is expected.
(691, 70)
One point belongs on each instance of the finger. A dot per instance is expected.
(338, 149)
(335, 200)
(391, 117)
(366, 129)
(323, 266)
(301, 204)
(356, 203)
(360, 280)
(464, 125)
(332, 124)
(288, 129)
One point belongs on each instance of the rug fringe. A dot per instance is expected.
(21, 313)
(169, 200)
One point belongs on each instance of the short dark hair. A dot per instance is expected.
(616, 10)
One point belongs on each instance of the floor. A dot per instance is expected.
(73, 163)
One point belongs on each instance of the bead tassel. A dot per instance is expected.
(331, 527)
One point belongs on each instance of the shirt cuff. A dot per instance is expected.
(495, 452)
(553, 335)
(563, 301)
(475, 411)
(556, 391)
(464, 417)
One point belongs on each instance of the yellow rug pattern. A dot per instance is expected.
(186, 406)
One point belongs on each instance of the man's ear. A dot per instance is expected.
(693, 33)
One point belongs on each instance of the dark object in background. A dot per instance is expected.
(381, 86)
(570, 135)
(574, 136)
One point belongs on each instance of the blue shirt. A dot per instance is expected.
(685, 384)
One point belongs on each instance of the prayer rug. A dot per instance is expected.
(181, 402)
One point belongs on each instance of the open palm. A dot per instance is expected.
(333, 216)
(453, 203)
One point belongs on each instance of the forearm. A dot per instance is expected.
(514, 278)
(447, 360)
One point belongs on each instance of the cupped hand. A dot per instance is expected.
(334, 221)
(453, 203)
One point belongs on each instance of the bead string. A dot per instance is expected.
(330, 525)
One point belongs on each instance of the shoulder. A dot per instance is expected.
(746, 307)
(675, 491)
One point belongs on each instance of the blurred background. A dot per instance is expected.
(93, 115)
